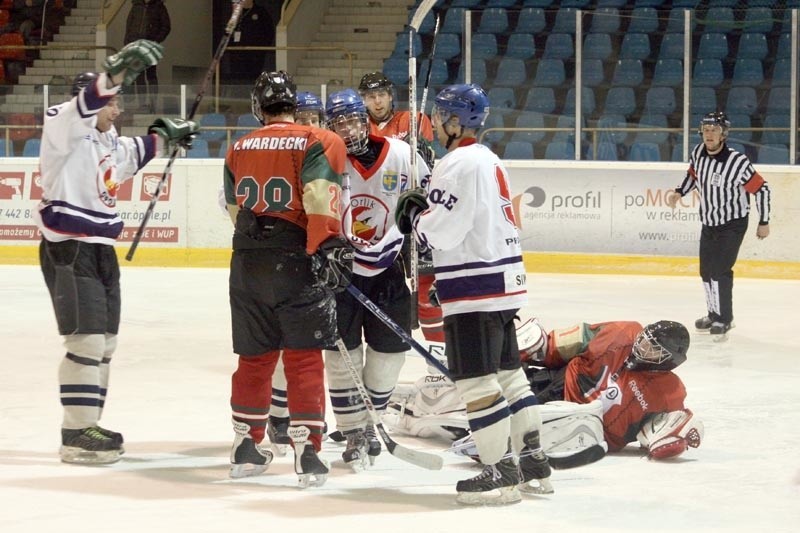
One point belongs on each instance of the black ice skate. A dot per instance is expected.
(534, 466)
(310, 469)
(373, 443)
(356, 453)
(248, 458)
(113, 435)
(88, 446)
(719, 331)
(703, 324)
(496, 485)
(278, 437)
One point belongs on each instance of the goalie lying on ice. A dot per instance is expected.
(617, 372)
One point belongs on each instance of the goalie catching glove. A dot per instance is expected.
(670, 434)
(409, 205)
(174, 132)
(333, 264)
(133, 59)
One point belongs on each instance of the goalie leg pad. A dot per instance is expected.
(670, 434)
(572, 433)
(489, 416)
(431, 407)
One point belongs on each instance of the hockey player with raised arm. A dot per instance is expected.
(83, 162)
(629, 369)
(289, 258)
(377, 171)
(467, 219)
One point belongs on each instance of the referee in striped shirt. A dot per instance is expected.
(724, 179)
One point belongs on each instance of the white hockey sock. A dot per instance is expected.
(524, 407)
(79, 380)
(279, 406)
(105, 369)
(490, 424)
(381, 371)
(348, 408)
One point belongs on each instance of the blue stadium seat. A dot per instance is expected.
(199, 149)
(549, 73)
(752, 46)
(635, 46)
(609, 125)
(531, 20)
(620, 101)
(576, 3)
(537, 3)
(564, 21)
(643, 151)
(453, 20)
(529, 119)
(668, 73)
(567, 123)
(773, 154)
(702, 100)
(501, 100)
(484, 46)
(439, 73)
(4, 147)
(611, 3)
(781, 73)
(713, 46)
(660, 100)
(493, 20)
(500, 3)
(518, 150)
(643, 20)
(708, 73)
(223, 149)
(401, 45)
(675, 21)
(606, 151)
(776, 137)
(588, 104)
(593, 73)
(740, 127)
(778, 100)
(31, 147)
(521, 46)
(597, 46)
(427, 23)
(465, 3)
(724, 3)
(652, 121)
(718, 18)
(748, 72)
(742, 100)
(628, 73)
(540, 99)
(560, 150)
(396, 69)
(510, 72)
(784, 46)
(758, 19)
(685, 4)
(494, 120)
(671, 46)
(246, 121)
(605, 20)
(558, 46)
(212, 126)
(649, 3)
(448, 46)
(477, 73)
(739, 147)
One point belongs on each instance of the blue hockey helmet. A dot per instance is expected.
(309, 106)
(273, 92)
(469, 103)
(347, 117)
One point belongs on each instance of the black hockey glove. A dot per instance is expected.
(426, 152)
(433, 296)
(174, 132)
(409, 206)
(333, 264)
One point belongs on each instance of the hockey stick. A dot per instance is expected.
(223, 44)
(419, 458)
(391, 324)
(428, 74)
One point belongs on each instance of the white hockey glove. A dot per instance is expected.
(532, 341)
(668, 435)
(133, 58)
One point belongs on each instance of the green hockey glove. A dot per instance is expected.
(174, 132)
(134, 58)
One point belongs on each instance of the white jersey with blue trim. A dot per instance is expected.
(471, 230)
(369, 205)
(82, 169)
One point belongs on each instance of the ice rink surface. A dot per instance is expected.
(169, 395)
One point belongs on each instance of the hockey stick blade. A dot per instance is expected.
(418, 458)
(419, 15)
(223, 44)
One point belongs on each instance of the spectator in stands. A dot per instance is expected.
(148, 19)
(28, 16)
(255, 28)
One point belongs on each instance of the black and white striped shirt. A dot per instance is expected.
(725, 182)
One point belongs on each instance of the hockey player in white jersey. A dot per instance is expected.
(83, 162)
(378, 170)
(467, 219)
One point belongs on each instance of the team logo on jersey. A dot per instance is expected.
(390, 181)
(107, 185)
(611, 396)
(370, 218)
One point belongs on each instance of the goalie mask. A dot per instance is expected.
(274, 93)
(347, 117)
(661, 346)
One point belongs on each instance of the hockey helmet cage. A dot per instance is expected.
(660, 346)
(467, 102)
(273, 93)
(340, 110)
(715, 118)
(372, 81)
(82, 80)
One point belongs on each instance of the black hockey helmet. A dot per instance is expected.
(660, 346)
(273, 93)
(374, 80)
(715, 118)
(82, 80)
